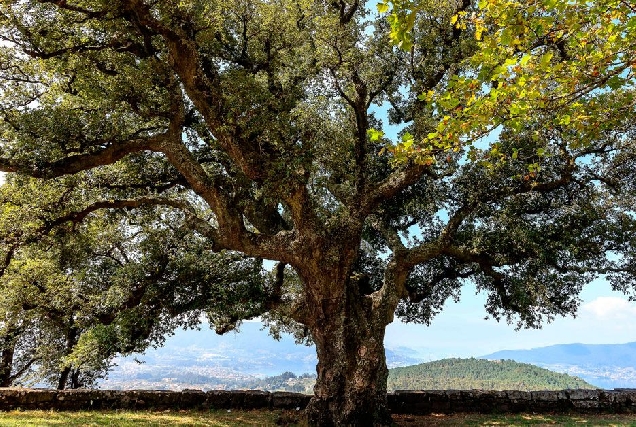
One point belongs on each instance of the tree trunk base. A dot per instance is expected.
(356, 412)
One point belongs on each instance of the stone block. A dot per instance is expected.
(286, 400)
(583, 394)
(421, 402)
(221, 399)
(517, 395)
(544, 395)
(256, 399)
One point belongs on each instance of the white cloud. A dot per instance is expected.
(606, 308)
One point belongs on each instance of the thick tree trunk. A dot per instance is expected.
(352, 373)
(75, 379)
(71, 340)
(63, 378)
(6, 366)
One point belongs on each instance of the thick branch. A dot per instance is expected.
(274, 299)
(81, 162)
(386, 299)
(346, 13)
(23, 369)
(487, 266)
(404, 259)
(78, 216)
(390, 235)
(392, 186)
(63, 4)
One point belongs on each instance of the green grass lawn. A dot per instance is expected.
(139, 418)
(516, 420)
(273, 418)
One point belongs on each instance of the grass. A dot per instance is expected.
(139, 418)
(273, 418)
(517, 420)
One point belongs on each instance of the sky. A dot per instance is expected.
(460, 330)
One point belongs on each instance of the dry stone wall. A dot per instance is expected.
(405, 402)
(511, 401)
(21, 398)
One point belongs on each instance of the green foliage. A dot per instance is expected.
(82, 292)
(445, 374)
(569, 63)
(479, 374)
(158, 152)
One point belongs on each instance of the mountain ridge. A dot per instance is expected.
(606, 365)
(623, 355)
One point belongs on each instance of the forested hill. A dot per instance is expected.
(466, 374)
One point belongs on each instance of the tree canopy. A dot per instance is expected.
(569, 62)
(159, 153)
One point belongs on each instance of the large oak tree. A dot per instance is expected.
(255, 125)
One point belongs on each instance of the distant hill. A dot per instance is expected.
(606, 365)
(623, 355)
(466, 374)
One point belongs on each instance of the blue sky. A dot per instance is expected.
(604, 317)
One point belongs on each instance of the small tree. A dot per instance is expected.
(251, 123)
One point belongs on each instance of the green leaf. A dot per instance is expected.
(374, 134)
(615, 82)
(407, 140)
(525, 59)
(506, 37)
(382, 7)
(546, 58)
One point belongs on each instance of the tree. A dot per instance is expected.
(251, 124)
(77, 291)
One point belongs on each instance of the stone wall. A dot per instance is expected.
(405, 402)
(565, 401)
(14, 398)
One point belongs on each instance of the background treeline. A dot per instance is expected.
(466, 374)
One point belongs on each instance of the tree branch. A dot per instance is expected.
(393, 185)
(487, 264)
(81, 162)
(63, 4)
